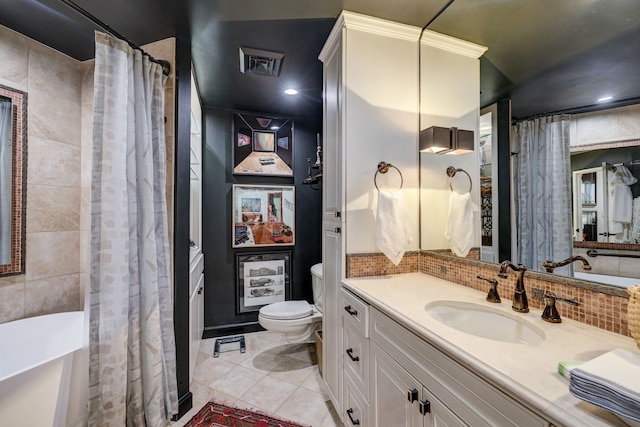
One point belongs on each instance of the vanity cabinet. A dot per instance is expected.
(402, 362)
(196, 309)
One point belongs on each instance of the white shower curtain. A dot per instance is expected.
(6, 178)
(132, 348)
(542, 183)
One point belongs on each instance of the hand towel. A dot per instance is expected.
(611, 381)
(621, 196)
(459, 229)
(393, 225)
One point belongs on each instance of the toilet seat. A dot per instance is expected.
(287, 310)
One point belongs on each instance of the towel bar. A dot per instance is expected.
(451, 172)
(383, 167)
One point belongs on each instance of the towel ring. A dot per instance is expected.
(451, 171)
(383, 167)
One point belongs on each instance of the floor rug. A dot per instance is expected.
(215, 415)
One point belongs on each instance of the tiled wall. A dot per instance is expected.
(602, 306)
(53, 83)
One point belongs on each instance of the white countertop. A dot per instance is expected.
(527, 373)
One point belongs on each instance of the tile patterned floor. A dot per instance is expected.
(272, 376)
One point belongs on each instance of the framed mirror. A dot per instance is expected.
(13, 171)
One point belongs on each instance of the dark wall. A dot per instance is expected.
(220, 311)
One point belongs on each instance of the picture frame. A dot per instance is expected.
(262, 278)
(262, 145)
(263, 215)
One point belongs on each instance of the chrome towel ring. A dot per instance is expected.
(451, 172)
(383, 167)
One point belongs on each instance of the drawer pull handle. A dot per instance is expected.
(351, 311)
(350, 354)
(425, 407)
(412, 395)
(200, 290)
(354, 422)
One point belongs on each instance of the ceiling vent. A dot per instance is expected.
(260, 61)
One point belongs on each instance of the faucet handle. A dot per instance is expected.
(492, 296)
(550, 312)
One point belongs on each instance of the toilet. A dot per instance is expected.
(297, 320)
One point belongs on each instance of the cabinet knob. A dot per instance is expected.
(351, 356)
(354, 422)
(425, 407)
(412, 395)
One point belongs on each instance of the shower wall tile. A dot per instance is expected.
(53, 162)
(52, 295)
(14, 51)
(53, 208)
(54, 95)
(11, 301)
(51, 254)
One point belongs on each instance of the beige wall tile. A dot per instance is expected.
(52, 295)
(53, 162)
(55, 83)
(52, 208)
(14, 51)
(51, 254)
(11, 302)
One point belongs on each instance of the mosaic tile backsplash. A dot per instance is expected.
(600, 306)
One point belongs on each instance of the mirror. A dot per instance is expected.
(13, 128)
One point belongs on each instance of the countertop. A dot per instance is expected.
(525, 372)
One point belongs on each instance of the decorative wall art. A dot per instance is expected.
(262, 145)
(262, 279)
(263, 215)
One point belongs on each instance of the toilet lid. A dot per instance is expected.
(287, 310)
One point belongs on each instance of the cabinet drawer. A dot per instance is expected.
(356, 407)
(355, 312)
(356, 358)
(195, 271)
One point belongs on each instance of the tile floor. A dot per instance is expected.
(272, 377)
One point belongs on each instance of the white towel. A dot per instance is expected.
(393, 225)
(621, 198)
(635, 227)
(459, 229)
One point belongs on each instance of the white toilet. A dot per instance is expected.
(297, 320)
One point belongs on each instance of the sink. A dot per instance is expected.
(485, 322)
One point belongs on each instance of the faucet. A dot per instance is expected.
(549, 265)
(493, 295)
(550, 313)
(520, 302)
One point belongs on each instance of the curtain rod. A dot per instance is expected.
(166, 66)
(583, 109)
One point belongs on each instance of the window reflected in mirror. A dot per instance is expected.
(13, 143)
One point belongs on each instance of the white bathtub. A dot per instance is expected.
(44, 371)
(619, 281)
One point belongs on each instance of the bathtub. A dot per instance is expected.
(44, 370)
(619, 281)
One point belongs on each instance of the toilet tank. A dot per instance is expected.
(317, 285)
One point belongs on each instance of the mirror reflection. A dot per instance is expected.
(13, 125)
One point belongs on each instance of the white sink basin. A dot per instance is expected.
(485, 322)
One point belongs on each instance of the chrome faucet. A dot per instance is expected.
(549, 265)
(520, 302)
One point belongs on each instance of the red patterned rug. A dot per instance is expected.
(215, 415)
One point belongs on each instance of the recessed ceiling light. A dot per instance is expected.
(605, 98)
(291, 91)
(275, 127)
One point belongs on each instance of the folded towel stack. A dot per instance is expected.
(611, 381)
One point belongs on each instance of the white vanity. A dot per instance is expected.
(402, 367)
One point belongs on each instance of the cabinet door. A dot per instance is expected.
(332, 317)
(395, 394)
(435, 413)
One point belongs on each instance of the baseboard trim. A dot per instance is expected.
(185, 403)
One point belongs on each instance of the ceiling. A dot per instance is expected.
(546, 55)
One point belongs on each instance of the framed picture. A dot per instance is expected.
(262, 145)
(262, 278)
(263, 215)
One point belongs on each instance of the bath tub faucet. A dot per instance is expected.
(520, 302)
(549, 265)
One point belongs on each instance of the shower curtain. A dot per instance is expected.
(132, 349)
(542, 183)
(6, 178)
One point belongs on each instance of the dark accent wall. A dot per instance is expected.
(181, 222)
(220, 311)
